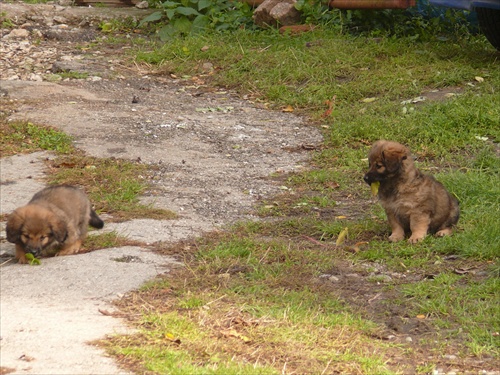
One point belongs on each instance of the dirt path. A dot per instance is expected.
(214, 152)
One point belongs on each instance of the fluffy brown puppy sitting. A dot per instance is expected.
(415, 204)
(56, 218)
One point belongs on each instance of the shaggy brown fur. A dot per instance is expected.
(415, 204)
(56, 218)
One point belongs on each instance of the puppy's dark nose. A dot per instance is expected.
(366, 178)
(34, 252)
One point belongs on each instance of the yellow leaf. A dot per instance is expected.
(342, 236)
(374, 186)
(288, 108)
(368, 100)
(420, 316)
(234, 333)
(479, 79)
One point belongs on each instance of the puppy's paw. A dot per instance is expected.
(396, 237)
(21, 255)
(444, 232)
(415, 238)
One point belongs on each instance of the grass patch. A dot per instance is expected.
(113, 185)
(240, 303)
(280, 296)
(25, 137)
(107, 240)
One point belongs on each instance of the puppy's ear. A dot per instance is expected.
(59, 229)
(393, 157)
(15, 224)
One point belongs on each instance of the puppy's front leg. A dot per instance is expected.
(21, 255)
(71, 248)
(398, 232)
(419, 225)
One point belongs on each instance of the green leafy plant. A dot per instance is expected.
(195, 16)
(33, 261)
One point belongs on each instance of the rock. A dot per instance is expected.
(207, 67)
(285, 14)
(35, 77)
(67, 66)
(276, 12)
(142, 5)
(60, 19)
(17, 34)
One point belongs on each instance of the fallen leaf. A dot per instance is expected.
(479, 79)
(236, 334)
(288, 108)
(333, 185)
(330, 104)
(342, 236)
(171, 337)
(420, 316)
(357, 246)
(368, 100)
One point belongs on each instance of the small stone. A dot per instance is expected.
(353, 276)
(35, 77)
(17, 34)
(334, 279)
(450, 357)
(207, 67)
(408, 339)
(60, 20)
(142, 5)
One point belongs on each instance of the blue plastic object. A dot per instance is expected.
(467, 4)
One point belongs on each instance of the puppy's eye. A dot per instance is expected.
(378, 165)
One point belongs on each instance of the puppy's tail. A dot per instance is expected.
(95, 221)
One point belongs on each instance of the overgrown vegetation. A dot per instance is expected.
(284, 295)
(180, 18)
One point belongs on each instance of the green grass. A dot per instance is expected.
(475, 307)
(269, 271)
(259, 297)
(113, 185)
(24, 137)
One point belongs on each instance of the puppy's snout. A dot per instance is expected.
(368, 179)
(34, 251)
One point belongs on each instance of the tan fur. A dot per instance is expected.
(55, 221)
(415, 204)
